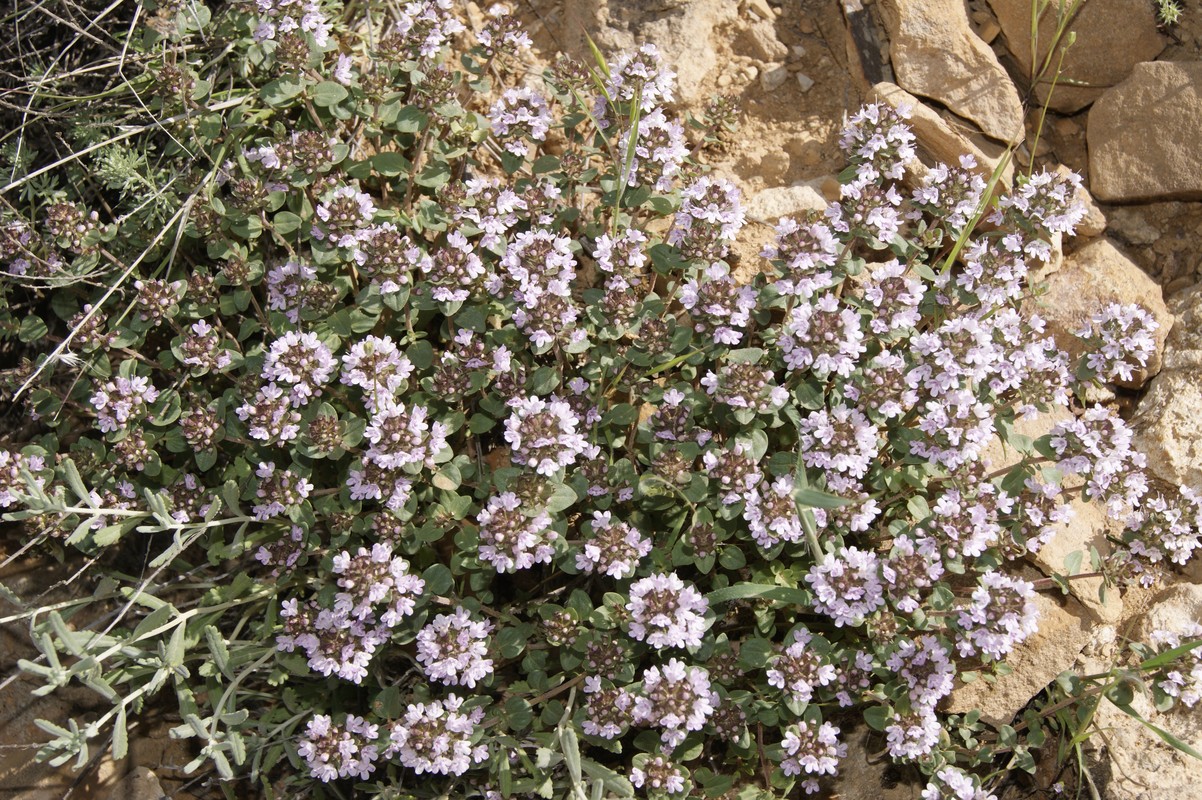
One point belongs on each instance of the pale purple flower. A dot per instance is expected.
(1000, 616)
(372, 578)
(659, 776)
(799, 669)
(453, 649)
(543, 434)
(925, 666)
(812, 749)
(520, 115)
(676, 698)
(659, 152)
(403, 436)
(840, 439)
(427, 26)
(1121, 339)
(302, 362)
(771, 513)
(953, 783)
(436, 737)
(332, 751)
(718, 305)
(286, 286)
(847, 587)
(910, 737)
(641, 73)
(824, 336)
(666, 612)
(377, 366)
(511, 540)
(808, 252)
(615, 548)
(123, 400)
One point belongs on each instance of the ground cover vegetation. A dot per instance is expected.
(422, 442)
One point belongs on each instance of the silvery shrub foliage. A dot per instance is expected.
(431, 440)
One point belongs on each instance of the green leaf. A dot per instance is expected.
(120, 735)
(448, 478)
(545, 164)
(613, 782)
(561, 499)
(438, 579)
(285, 222)
(1072, 562)
(217, 646)
(205, 459)
(816, 498)
(328, 93)
(33, 328)
(480, 423)
(1168, 656)
(744, 591)
(622, 415)
(390, 164)
(732, 558)
(746, 355)
(410, 119)
(878, 717)
(754, 653)
(281, 91)
(175, 647)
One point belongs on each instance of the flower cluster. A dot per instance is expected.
(615, 549)
(665, 612)
(511, 540)
(123, 400)
(544, 434)
(332, 751)
(452, 649)
(437, 737)
(1121, 339)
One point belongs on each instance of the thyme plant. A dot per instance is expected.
(426, 441)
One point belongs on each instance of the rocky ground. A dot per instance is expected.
(1126, 114)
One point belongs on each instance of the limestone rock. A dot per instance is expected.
(1184, 344)
(1168, 427)
(1171, 609)
(1112, 37)
(759, 40)
(1168, 422)
(139, 784)
(1145, 135)
(770, 205)
(936, 54)
(1064, 629)
(683, 32)
(1091, 278)
(935, 136)
(1139, 765)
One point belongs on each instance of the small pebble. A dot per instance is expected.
(1067, 127)
(805, 81)
(773, 76)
